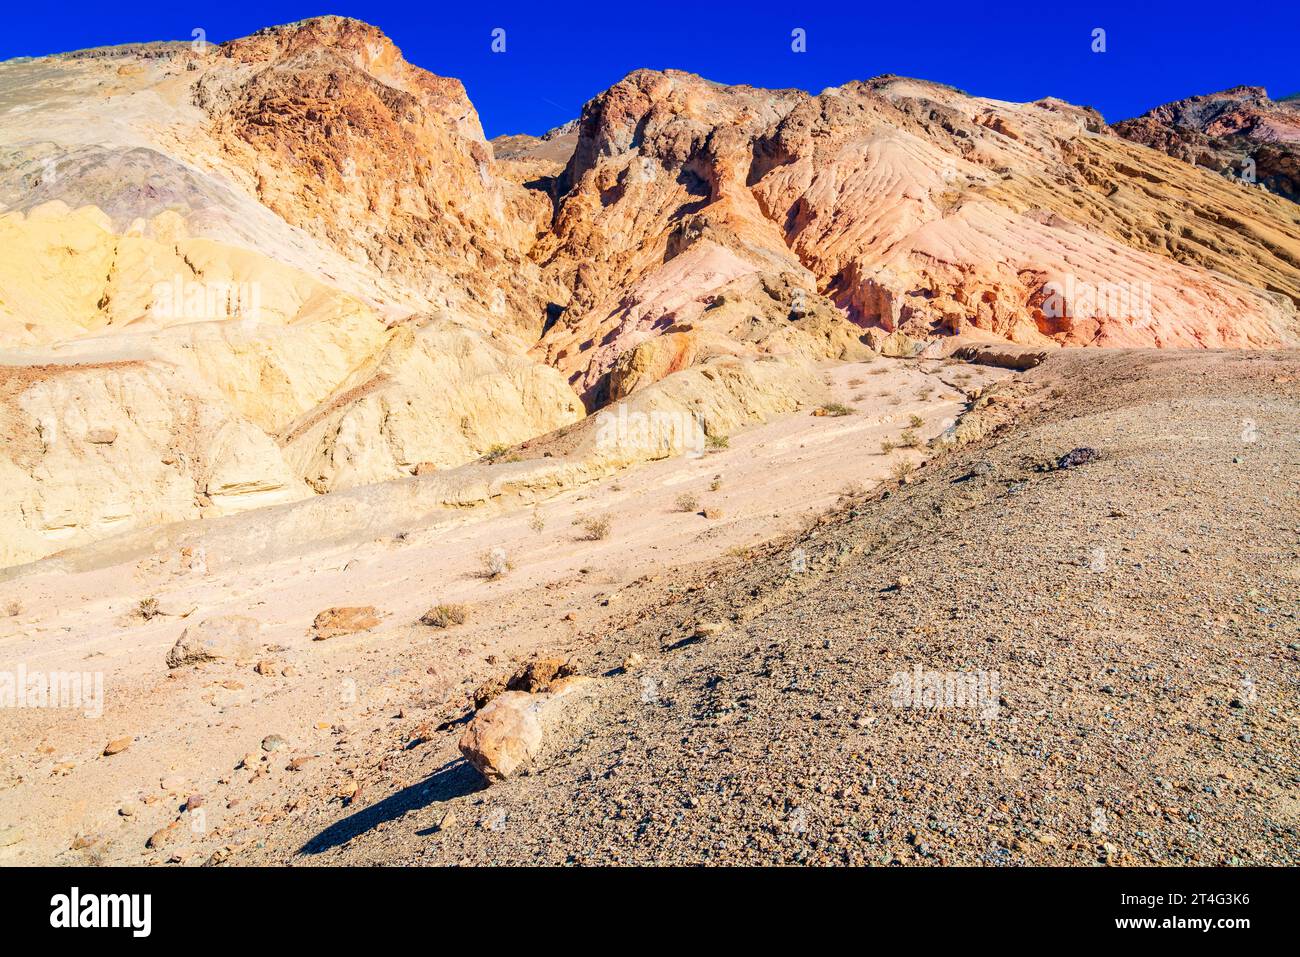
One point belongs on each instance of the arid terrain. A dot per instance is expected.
(888, 475)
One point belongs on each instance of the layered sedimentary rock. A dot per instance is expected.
(291, 266)
(272, 268)
(1239, 133)
(910, 206)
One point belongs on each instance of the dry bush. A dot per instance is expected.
(719, 442)
(495, 563)
(837, 409)
(537, 522)
(902, 469)
(916, 421)
(686, 502)
(596, 527)
(148, 609)
(887, 446)
(853, 490)
(909, 439)
(444, 616)
(716, 483)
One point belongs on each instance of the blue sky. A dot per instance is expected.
(560, 55)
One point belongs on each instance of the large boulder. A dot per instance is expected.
(505, 735)
(510, 733)
(213, 639)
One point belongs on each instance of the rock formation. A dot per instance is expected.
(1238, 133)
(290, 266)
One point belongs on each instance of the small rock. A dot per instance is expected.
(706, 629)
(1076, 457)
(446, 821)
(163, 836)
(273, 742)
(117, 746)
(333, 622)
(213, 639)
(101, 436)
(194, 802)
(266, 667)
(634, 660)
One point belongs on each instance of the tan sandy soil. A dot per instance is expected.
(191, 727)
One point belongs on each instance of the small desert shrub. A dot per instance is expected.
(595, 528)
(686, 502)
(716, 483)
(495, 563)
(495, 452)
(881, 370)
(712, 512)
(916, 421)
(444, 616)
(836, 409)
(909, 439)
(854, 383)
(719, 442)
(853, 490)
(537, 522)
(148, 608)
(887, 446)
(14, 608)
(895, 400)
(902, 469)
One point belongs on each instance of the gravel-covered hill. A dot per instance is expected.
(1127, 625)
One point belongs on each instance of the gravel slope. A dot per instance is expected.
(1139, 612)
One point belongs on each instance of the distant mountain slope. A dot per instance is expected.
(1239, 132)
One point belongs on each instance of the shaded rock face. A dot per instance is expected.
(1239, 133)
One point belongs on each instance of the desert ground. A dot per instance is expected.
(886, 475)
(1141, 624)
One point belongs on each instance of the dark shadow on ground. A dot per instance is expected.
(454, 779)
